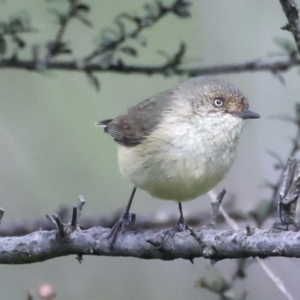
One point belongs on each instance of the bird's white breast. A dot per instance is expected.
(181, 160)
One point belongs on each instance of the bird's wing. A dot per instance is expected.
(133, 126)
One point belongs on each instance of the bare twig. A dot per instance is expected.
(292, 13)
(250, 230)
(51, 219)
(115, 41)
(156, 12)
(57, 46)
(1, 214)
(77, 212)
(197, 237)
(80, 204)
(74, 217)
(288, 196)
(252, 66)
(59, 225)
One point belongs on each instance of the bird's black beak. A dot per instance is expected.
(246, 114)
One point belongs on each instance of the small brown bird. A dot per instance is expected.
(179, 144)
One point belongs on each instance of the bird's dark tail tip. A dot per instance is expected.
(103, 123)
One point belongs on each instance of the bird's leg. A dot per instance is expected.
(125, 222)
(181, 225)
(126, 213)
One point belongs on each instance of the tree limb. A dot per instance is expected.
(107, 56)
(273, 66)
(43, 245)
(292, 13)
(150, 244)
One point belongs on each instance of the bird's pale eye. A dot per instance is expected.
(218, 102)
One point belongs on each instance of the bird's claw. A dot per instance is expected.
(181, 225)
(125, 223)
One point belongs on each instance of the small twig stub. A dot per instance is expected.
(215, 204)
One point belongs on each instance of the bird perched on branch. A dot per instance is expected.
(179, 144)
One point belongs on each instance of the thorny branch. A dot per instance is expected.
(43, 245)
(156, 220)
(114, 43)
(106, 56)
(69, 238)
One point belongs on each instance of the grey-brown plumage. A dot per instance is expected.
(134, 125)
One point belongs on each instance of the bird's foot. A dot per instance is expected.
(125, 223)
(180, 226)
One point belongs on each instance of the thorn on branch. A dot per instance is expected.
(1, 214)
(72, 225)
(196, 237)
(93, 80)
(250, 230)
(50, 218)
(77, 212)
(207, 251)
(59, 225)
(80, 203)
(176, 60)
(74, 218)
(79, 257)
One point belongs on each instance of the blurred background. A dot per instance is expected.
(51, 151)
